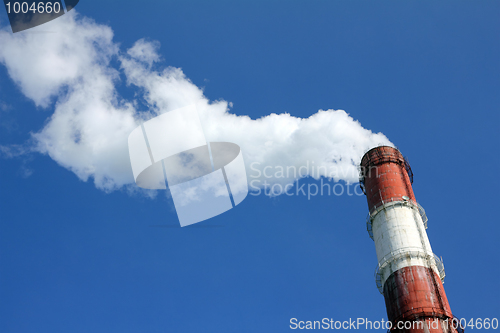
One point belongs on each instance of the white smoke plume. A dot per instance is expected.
(70, 71)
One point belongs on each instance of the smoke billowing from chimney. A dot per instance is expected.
(72, 72)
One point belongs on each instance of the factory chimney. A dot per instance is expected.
(408, 274)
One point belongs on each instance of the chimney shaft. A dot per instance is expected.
(408, 274)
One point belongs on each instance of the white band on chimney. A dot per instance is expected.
(400, 238)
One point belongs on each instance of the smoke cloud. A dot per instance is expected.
(71, 72)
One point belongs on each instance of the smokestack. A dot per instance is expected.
(409, 274)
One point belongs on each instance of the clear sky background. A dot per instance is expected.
(424, 73)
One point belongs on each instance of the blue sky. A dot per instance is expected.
(74, 258)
